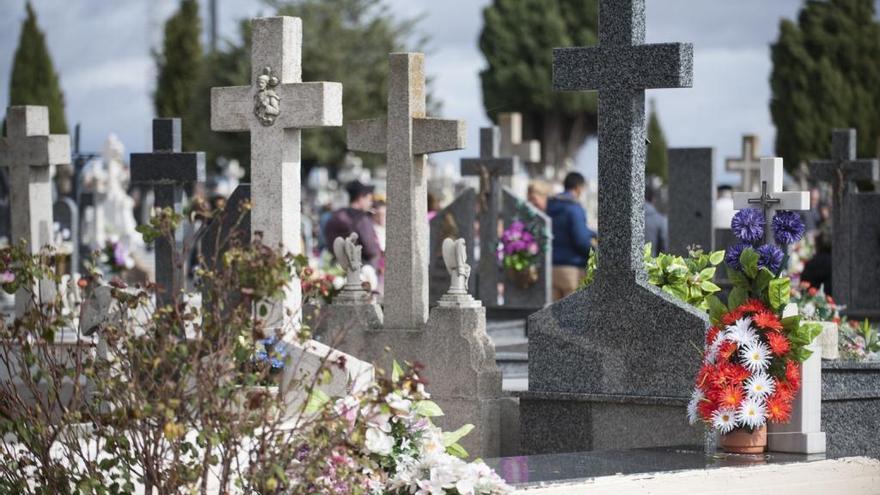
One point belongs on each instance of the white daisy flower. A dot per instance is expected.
(742, 332)
(755, 356)
(724, 420)
(760, 385)
(712, 349)
(696, 397)
(752, 413)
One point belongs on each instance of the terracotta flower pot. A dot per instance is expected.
(523, 278)
(743, 441)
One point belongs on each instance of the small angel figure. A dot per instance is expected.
(455, 258)
(267, 103)
(348, 254)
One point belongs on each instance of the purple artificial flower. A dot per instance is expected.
(120, 254)
(770, 257)
(731, 256)
(533, 248)
(748, 225)
(788, 228)
(517, 226)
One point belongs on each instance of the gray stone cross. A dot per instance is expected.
(749, 165)
(511, 139)
(841, 171)
(406, 137)
(490, 168)
(168, 169)
(274, 109)
(621, 67)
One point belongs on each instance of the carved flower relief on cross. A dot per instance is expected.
(267, 103)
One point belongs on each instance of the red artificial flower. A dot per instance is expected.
(727, 350)
(829, 299)
(730, 317)
(731, 396)
(768, 321)
(738, 373)
(812, 291)
(711, 334)
(785, 390)
(704, 377)
(779, 345)
(706, 408)
(793, 374)
(753, 306)
(778, 408)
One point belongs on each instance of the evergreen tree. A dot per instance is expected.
(343, 40)
(657, 162)
(179, 65)
(34, 80)
(517, 41)
(825, 75)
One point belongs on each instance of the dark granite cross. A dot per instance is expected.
(841, 171)
(167, 169)
(621, 68)
(490, 168)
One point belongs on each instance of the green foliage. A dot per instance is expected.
(179, 65)
(343, 40)
(34, 80)
(689, 279)
(825, 76)
(657, 161)
(518, 77)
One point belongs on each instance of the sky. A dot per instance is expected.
(101, 49)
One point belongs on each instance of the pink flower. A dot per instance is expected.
(7, 277)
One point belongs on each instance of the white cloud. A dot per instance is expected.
(132, 73)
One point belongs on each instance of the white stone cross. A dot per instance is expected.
(512, 144)
(771, 197)
(274, 109)
(406, 137)
(749, 165)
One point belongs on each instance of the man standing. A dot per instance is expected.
(656, 225)
(356, 219)
(571, 236)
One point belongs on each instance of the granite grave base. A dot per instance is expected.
(851, 408)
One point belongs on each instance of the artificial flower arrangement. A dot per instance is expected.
(859, 341)
(814, 304)
(519, 252)
(116, 256)
(751, 370)
(320, 284)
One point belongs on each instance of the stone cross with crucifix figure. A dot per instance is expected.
(841, 171)
(490, 168)
(771, 198)
(273, 109)
(749, 165)
(406, 136)
(168, 169)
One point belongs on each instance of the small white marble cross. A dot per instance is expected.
(274, 109)
(749, 165)
(406, 137)
(771, 197)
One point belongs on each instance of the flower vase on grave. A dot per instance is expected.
(745, 441)
(829, 340)
(524, 278)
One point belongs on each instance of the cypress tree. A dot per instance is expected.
(657, 162)
(34, 80)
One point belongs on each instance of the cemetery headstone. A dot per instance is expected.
(490, 168)
(842, 171)
(538, 292)
(749, 165)
(586, 350)
(274, 108)
(864, 235)
(454, 221)
(691, 199)
(66, 216)
(406, 136)
(28, 151)
(168, 169)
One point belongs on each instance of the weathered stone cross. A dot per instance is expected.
(274, 109)
(167, 169)
(841, 171)
(490, 167)
(29, 151)
(406, 136)
(511, 139)
(771, 197)
(621, 68)
(749, 165)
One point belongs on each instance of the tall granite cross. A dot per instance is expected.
(771, 197)
(841, 171)
(28, 150)
(749, 165)
(167, 169)
(406, 136)
(274, 109)
(490, 167)
(621, 67)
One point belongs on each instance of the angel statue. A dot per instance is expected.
(267, 103)
(348, 253)
(455, 258)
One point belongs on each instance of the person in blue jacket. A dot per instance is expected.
(571, 236)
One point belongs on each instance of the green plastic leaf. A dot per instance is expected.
(707, 273)
(737, 277)
(427, 408)
(316, 401)
(779, 292)
(791, 323)
(396, 371)
(451, 437)
(812, 329)
(763, 280)
(749, 261)
(457, 451)
(716, 308)
(716, 257)
(737, 297)
(709, 287)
